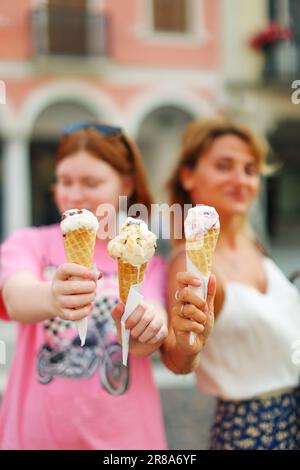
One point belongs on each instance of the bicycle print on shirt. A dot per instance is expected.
(62, 355)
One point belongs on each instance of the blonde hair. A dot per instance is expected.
(198, 137)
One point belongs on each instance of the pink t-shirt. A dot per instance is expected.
(62, 396)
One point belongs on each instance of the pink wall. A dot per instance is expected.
(15, 29)
(128, 48)
(126, 45)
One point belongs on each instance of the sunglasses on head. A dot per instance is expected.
(103, 128)
(106, 130)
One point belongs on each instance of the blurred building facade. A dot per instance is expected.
(150, 66)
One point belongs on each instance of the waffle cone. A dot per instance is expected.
(201, 252)
(79, 246)
(129, 275)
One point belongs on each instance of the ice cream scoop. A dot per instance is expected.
(135, 243)
(74, 219)
(133, 248)
(199, 221)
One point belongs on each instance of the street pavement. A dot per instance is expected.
(188, 416)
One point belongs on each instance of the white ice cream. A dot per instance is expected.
(199, 221)
(135, 243)
(74, 219)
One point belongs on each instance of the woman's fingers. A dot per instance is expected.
(191, 312)
(117, 312)
(142, 324)
(181, 325)
(74, 290)
(188, 295)
(145, 326)
(211, 292)
(187, 279)
(67, 270)
(135, 317)
(150, 331)
(160, 336)
(77, 301)
(76, 287)
(74, 315)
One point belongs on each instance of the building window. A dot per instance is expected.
(67, 27)
(171, 16)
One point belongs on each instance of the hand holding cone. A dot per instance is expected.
(79, 228)
(202, 228)
(133, 248)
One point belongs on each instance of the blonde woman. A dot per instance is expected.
(247, 362)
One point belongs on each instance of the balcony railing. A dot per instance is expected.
(282, 63)
(69, 32)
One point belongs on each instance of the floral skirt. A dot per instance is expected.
(261, 423)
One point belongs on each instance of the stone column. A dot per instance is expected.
(16, 184)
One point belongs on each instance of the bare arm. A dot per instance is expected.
(28, 300)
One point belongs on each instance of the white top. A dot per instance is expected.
(250, 350)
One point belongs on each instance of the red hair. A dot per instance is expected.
(118, 151)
